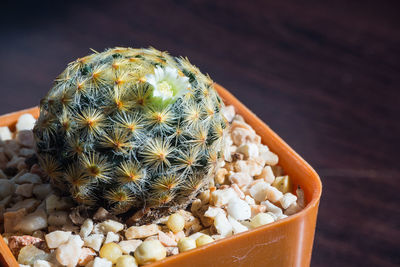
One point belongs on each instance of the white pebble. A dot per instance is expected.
(269, 157)
(57, 238)
(111, 237)
(28, 178)
(128, 246)
(222, 225)
(68, 254)
(143, 231)
(272, 208)
(287, 200)
(240, 178)
(239, 209)
(25, 122)
(24, 190)
(249, 200)
(29, 204)
(33, 222)
(111, 226)
(212, 212)
(222, 197)
(267, 174)
(5, 133)
(259, 191)
(86, 228)
(94, 241)
(229, 112)
(273, 194)
(237, 227)
(249, 150)
(42, 263)
(292, 209)
(100, 262)
(54, 203)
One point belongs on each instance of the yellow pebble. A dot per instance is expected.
(149, 252)
(203, 239)
(186, 244)
(176, 222)
(111, 251)
(126, 261)
(283, 184)
(261, 219)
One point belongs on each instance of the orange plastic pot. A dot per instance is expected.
(287, 242)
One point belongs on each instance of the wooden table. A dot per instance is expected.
(324, 76)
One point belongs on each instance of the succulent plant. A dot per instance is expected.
(131, 128)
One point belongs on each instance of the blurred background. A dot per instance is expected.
(325, 75)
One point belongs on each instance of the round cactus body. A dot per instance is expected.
(131, 128)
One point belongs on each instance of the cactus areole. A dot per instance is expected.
(128, 129)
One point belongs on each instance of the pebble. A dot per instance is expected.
(269, 157)
(29, 204)
(111, 226)
(111, 237)
(166, 240)
(237, 227)
(100, 262)
(128, 246)
(7, 188)
(287, 200)
(135, 232)
(259, 191)
(273, 194)
(25, 122)
(25, 138)
(249, 150)
(222, 225)
(149, 252)
(57, 238)
(94, 241)
(24, 190)
(54, 203)
(29, 254)
(26, 152)
(86, 256)
(59, 218)
(86, 228)
(28, 178)
(261, 219)
(42, 263)
(12, 218)
(41, 191)
(240, 178)
(238, 209)
(5, 133)
(2, 175)
(16, 243)
(32, 222)
(68, 254)
(222, 197)
(14, 162)
(229, 112)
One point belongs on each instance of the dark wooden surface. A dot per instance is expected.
(324, 75)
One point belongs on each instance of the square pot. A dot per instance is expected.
(287, 242)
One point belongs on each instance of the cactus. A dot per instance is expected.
(131, 128)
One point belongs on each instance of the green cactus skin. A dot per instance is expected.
(129, 129)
